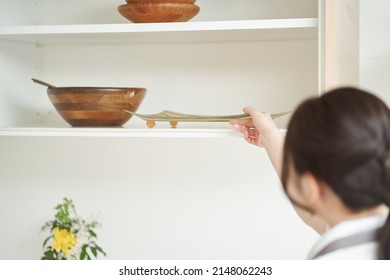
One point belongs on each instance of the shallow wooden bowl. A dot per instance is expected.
(142, 12)
(162, 1)
(95, 106)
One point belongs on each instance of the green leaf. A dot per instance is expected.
(45, 242)
(83, 254)
(94, 251)
(48, 255)
(100, 250)
(92, 233)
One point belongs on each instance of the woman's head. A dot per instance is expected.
(342, 138)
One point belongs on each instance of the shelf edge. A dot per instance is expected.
(118, 132)
(159, 27)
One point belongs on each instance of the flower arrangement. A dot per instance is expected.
(71, 237)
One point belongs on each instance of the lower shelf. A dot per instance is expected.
(119, 132)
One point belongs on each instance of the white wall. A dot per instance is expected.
(375, 47)
(214, 199)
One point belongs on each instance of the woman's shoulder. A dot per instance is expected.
(351, 239)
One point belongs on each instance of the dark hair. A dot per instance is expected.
(343, 139)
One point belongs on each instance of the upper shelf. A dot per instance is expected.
(243, 30)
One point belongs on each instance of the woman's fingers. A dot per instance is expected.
(242, 129)
(252, 132)
(239, 128)
(247, 123)
(249, 110)
(249, 138)
(246, 127)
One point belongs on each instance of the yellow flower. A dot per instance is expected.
(63, 241)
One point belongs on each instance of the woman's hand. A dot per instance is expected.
(261, 131)
(256, 130)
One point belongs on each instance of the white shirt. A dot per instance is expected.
(365, 251)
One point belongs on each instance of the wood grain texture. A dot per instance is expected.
(339, 43)
(162, 1)
(84, 106)
(140, 12)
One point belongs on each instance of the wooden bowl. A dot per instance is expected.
(95, 106)
(162, 1)
(142, 12)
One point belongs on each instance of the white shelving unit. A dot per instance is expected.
(43, 50)
(163, 193)
(216, 64)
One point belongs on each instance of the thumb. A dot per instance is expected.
(249, 110)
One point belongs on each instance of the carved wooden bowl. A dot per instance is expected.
(158, 11)
(96, 106)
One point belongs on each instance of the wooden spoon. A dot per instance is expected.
(43, 83)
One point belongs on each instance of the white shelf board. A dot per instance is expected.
(297, 28)
(119, 132)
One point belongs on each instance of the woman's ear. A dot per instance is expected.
(311, 189)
